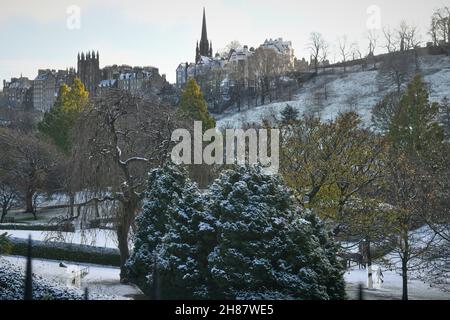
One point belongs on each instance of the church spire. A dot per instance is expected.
(204, 31)
(204, 48)
(204, 43)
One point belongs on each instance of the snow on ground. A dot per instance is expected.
(391, 269)
(94, 237)
(391, 288)
(100, 280)
(356, 91)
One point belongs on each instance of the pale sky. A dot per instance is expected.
(34, 33)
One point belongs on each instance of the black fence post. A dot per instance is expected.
(28, 294)
(360, 292)
(86, 294)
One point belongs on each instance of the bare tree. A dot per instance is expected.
(356, 52)
(434, 30)
(402, 35)
(266, 66)
(407, 36)
(413, 39)
(397, 69)
(29, 160)
(440, 25)
(390, 40)
(372, 37)
(233, 45)
(117, 141)
(9, 197)
(344, 50)
(318, 49)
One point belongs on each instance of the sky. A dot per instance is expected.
(41, 34)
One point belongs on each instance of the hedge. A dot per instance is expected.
(69, 227)
(66, 252)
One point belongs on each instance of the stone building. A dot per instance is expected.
(139, 81)
(283, 48)
(302, 65)
(238, 63)
(46, 87)
(18, 92)
(114, 71)
(182, 74)
(88, 70)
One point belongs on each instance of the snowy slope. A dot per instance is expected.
(357, 91)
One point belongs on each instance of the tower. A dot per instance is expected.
(205, 47)
(89, 70)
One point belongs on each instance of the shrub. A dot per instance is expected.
(5, 244)
(245, 239)
(12, 286)
(67, 252)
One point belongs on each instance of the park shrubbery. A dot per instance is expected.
(243, 239)
(12, 286)
(67, 252)
(68, 227)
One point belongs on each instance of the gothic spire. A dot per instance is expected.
(204, 31)
(204, 43)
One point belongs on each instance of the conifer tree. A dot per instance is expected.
(414, 127)
(193, 105)
(165, 262)
(289, 114)
(266, 247)
(245, 240)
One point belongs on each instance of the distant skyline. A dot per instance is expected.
(42, 34)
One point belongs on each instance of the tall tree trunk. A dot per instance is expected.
(71, 203)
(122, 237)
(4, 213)
(369, 265)
(405, 259)
(29, 201)
(126, 218)
(405, 279)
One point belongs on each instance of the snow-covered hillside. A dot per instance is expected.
(356, 91)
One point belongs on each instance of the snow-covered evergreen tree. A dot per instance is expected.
(265, 246)
(289, 114)
(246, 239)
(165, 262)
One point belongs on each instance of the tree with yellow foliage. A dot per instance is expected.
(193, 105)
(58, 122)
